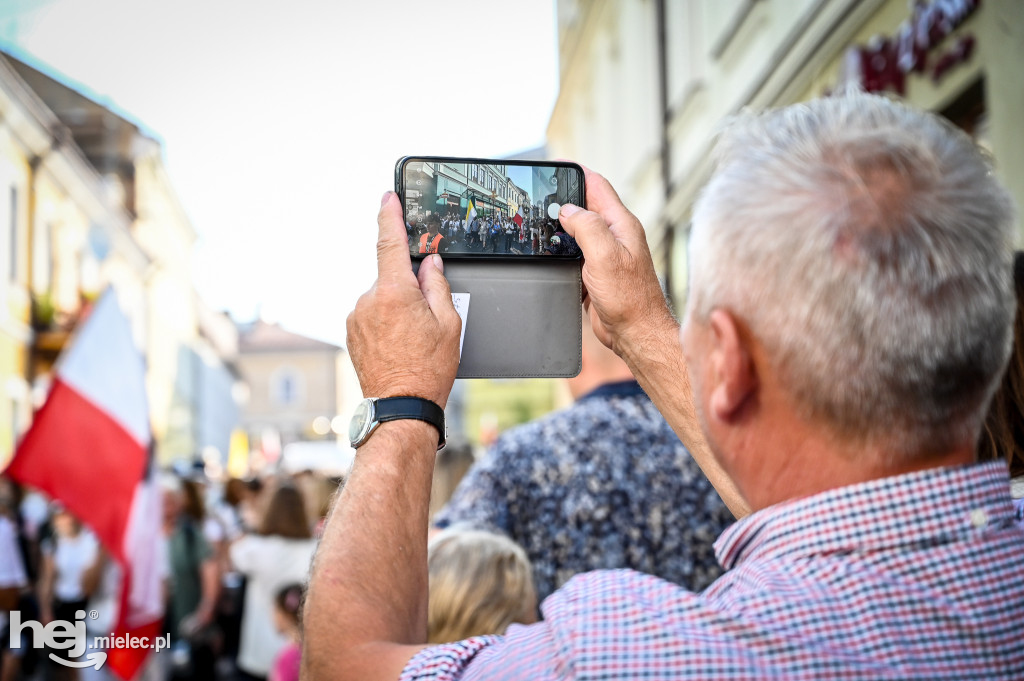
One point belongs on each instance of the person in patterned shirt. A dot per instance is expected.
(603, 484)
(849, 316)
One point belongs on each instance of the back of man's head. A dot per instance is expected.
(868, 247)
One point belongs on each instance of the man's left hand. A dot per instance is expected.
(403, 335)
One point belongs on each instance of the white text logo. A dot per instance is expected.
(70, 636)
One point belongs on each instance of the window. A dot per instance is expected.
(287, 387)
(13, 227)
(686, 54)
(42, 258)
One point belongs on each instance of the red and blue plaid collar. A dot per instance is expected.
(925, 507)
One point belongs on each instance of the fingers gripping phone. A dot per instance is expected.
(513, 269)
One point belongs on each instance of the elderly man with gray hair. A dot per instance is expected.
(848, 320)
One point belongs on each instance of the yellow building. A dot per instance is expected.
(645, 84)
(15, 307)
(93, 207)
(55, 215)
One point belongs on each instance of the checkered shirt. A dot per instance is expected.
(918, 576)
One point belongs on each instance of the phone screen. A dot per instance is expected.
(488, 208)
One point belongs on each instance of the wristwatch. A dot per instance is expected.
(374, 411)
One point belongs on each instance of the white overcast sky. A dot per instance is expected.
(282, 121)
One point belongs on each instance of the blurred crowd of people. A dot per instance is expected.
(234, 558)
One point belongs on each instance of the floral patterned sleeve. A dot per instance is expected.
(482, 497)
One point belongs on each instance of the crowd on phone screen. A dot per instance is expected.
(234, 559)
(496, 234)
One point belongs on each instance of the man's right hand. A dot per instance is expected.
(403, 335)
(623, 295)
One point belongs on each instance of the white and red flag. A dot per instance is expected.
(89, 448)
(518, 217)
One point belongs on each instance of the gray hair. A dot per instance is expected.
(868, 247)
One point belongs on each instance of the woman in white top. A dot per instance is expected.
(72, 562)
(13, 578)
(71, 566)
(278, 555)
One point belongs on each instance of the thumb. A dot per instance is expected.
(590, 231)
(435, 287)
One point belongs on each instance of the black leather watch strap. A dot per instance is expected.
(395, 408)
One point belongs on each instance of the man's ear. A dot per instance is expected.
(734, 374)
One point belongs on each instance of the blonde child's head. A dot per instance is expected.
(479, 584)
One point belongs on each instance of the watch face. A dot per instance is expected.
(360, 422)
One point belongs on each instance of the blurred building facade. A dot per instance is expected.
(297, 388)
(52, 206)
(645, 83)
(490, 406)
(88, 205)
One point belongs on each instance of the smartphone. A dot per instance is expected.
(469, 208)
